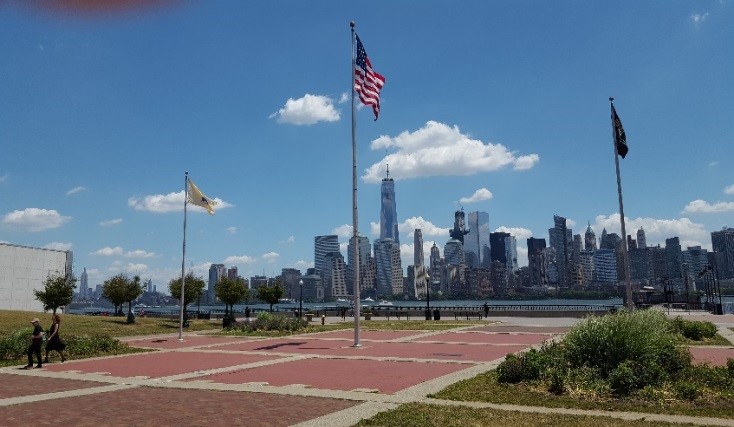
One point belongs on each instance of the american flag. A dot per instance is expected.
(367, 82)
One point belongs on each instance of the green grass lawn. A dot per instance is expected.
(716, 340)
(423, 415)
(75, 324)
(485, 388)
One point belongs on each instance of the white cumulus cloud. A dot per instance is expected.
(699, 18)
(520, 234)
(441, 150)
(702, 206)
(111, 222)
(344, 231)
(35, 219)
(427, 228)
(308, 110)
(729, 190)
(108, 251)
(59, 246)
(76, 190)
(271, 257)
(478, 196)
(139, 253)
(239, 260)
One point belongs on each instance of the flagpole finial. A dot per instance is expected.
(351, 24)
(611, 99)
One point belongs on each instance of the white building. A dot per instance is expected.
(24, 269)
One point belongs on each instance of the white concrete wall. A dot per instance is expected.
(24, 269)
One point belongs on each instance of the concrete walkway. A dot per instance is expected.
(315, 379)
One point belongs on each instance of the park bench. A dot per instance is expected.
(468, 314)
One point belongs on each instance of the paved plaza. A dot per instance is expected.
(317, 379)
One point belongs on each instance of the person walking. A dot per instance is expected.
(35, 347)
(54, 342)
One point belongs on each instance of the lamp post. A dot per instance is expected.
(300, 300)
(428, 297)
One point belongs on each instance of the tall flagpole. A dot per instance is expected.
(183, 260)
(355, 223)
(625, 257)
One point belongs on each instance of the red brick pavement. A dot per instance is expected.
(25, 385)
(159, 364)
(481, 337)
(167, 407)
(172, 343)
(441, 351)
(527, 329)
(341, 374)
(367, 335)
(714, 356)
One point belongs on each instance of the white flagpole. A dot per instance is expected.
(355, 228)
(625, 258)
(183, 260)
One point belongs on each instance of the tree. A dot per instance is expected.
(230, 291)
(133, 289)
(116, 290)
(193, 288)
(58, 291)
(270, 294)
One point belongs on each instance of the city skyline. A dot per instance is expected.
(102, 114)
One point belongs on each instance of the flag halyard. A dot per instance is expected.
(196, 197)
(367, 82)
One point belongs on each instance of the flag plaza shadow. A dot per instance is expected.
(309, 379)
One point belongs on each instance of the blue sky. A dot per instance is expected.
(493, 106)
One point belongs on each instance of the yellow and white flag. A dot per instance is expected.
(198, 198)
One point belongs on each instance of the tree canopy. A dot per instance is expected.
(271, 294)
(117, 290)
(231, 291)
(58, 291)
(193, 288)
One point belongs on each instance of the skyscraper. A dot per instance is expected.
(322, 246)
(497, 249)
(388, 210)
(589, 239)
(459, 230)
(641, 239)
(365, 253)
(388, 268)
(673, 258)
(722, 242)
(83, 284)
(477, 239)
(216, 272)
(561, 240)
(418, 257)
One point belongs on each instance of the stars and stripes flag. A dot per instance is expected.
(196, 197)
(367, 82)
(620, 139)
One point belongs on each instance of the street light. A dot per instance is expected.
(300, 300)
(428, 297)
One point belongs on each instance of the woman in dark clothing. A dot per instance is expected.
(54, 342)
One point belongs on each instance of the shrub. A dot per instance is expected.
(93, 345)
(14, 346)
(694, 329)
(686, 390)
(730, 367)
(273, 322)
(557, 383)
(622, 379)
(510, 370)
(606, 342)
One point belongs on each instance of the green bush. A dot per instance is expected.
(606, 342)
(510, 370)
(694, 329)
(15, 345)
(622, 380)
(557, 382)
(273, 322)
(730, 367)
(686, 390)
